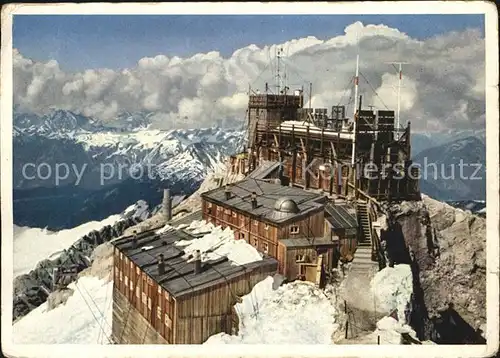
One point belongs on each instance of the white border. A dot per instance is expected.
(410, 7)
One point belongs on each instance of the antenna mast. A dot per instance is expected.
(356, 82)
(400, 72)
(278, 75)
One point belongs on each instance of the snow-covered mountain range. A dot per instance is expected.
(454, 171)
(126, 150)
(109, 165)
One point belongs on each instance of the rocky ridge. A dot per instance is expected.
(34, 288)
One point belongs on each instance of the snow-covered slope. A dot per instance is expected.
(32, 245)
(85, 318)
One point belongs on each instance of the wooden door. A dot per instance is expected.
(281, 258)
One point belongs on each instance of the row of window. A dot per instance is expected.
(143, 296)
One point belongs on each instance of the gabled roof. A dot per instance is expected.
(341, 216)
(267, 195)
(179, 278)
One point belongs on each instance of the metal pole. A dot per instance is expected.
(310, 94)
(356, 81)
(399, 99)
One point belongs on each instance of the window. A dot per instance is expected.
(121, 276)
(219, 208)
(116, 272)
(149, 302)
(266, 227)
(227, 211)
(234, 214)
(266, 247)
(299, 258)
(167, 296)
(131, 264)
(294, 229)
(121, 255)
(256, 222)
(137, 271)
(255, 242)
(126, 280)
(137, 291)
(158, 312)
(131, 285)
(242, 235)
(209, 205)
(159, 290)
(143, 297)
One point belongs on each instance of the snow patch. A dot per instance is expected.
(138, 210)
(295, 313)
(218, 243)
(392, 288)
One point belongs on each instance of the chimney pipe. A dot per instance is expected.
(197, 262)
(161, 265)
(254, 200)
(134, 240)
(167, 205)
(227, 192)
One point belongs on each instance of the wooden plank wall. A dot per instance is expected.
(209, 312)
(313, 226)
(129, 326)
(310, 255)
(258, 234)
(264, 237)
(347, 243)
(144, 295)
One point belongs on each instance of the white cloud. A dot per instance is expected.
(443, 84)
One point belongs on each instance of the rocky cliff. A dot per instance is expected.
(446, 249)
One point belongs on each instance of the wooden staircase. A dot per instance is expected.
(365, 225)
(363, 256)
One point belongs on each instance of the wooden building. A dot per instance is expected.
(160, 296)
(316, 149)
(341, 225)
(265, 214)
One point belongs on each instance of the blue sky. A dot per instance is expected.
(117, 41)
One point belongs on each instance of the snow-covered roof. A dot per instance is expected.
(223, 257)
(302, 126)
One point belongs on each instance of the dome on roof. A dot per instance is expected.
(286, 205)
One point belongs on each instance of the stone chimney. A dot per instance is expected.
(167, 205)
(254, 200)
(197, 262)
(227, 192)
(161, 265)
